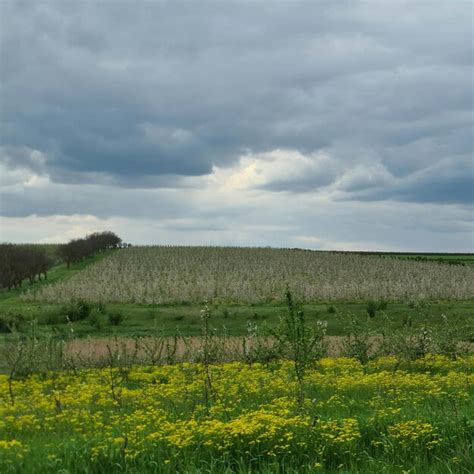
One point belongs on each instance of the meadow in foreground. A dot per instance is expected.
(386, 416)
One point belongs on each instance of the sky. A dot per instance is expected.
(332, 125)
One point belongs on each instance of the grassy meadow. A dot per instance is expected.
(197, 360)
(167, 286)
(382, 417)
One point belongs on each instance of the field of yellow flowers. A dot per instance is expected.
(383, 417)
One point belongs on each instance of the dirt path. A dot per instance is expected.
(99, 351)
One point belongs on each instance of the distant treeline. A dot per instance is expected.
(447, 258)
(420, 258)
(19, 262)
(80, 249)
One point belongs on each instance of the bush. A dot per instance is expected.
(331, 309)
(382, 305)
(95, 320)
(409, 343)
(372, 309)
(115, 318)
(301, 343)
(77, 311)
(10, 322)
(358, 342)
(52, 316)
(101, 308)
(420, 304)
(374, 306)
(448, 338)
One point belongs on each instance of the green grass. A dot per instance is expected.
(141, 320)
(386, 417)
(104, 420)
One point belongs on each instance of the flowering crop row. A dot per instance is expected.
(155, 275)
(386, 416)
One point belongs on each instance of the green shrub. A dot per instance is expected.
(258, 317)
(382, 305)
(10, 322)
(419, 304)
(372, 309)
(448, 338)
(77, 311)
(52, 316)
(115, 318)
(331, 309)
(358, 341)
(300, 342)
(101, 308)
(95, 319)
(409, 343)
(374, 306)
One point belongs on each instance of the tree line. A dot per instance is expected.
(21, 262)
(30, 262)
(79, 249)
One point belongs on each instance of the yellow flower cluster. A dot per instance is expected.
(162, 413)
(412, 434)
(339, 432)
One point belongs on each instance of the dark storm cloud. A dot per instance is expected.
(138, 94)
(449, 182)
(100, 201)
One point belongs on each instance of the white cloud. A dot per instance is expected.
(49, 229)
(276, 167)
(316, 243)
(256, 218)
(15, 179)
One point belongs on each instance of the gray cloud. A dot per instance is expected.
(142, 98)
(446, 182)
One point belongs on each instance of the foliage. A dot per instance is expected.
(355, 418)
(259, 345)
(299, 342)
(374, 306)
(76, 311)
(54, 316)
(115, 318)
(409, 343)
(95, 320)
(80, 249)
(358, 341)
(12, 321)
(451, 339)
(20, 262)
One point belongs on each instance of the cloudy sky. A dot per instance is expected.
(326, 125)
